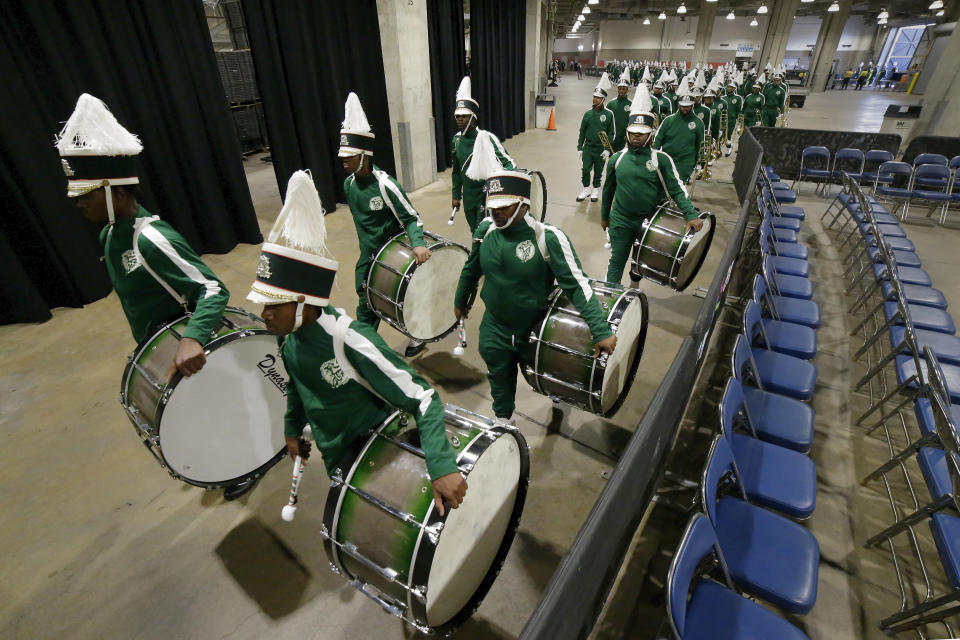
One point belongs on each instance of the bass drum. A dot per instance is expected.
(383, 533)
(408, 296)
(538, 195)
(560, 362)
(667, 252)
(222, 426)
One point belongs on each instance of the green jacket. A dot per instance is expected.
(662, 105)
(672, 97)
(594, 121)
(680, 136)
(638, 181)
(380, 210)
(621, 111)
(774, 96)
(753, 103)
(344, 396)
(520, 265)
(713, 118)
(734, 106)
(468, 190)
(162, 250)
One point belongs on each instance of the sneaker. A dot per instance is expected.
(508, 423)
(595, 195)
(235, 491)
(413, 348)
(584, 194)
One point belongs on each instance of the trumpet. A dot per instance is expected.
(782, 118)
(706, 156)
(605, 141)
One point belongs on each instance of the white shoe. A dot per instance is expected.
(506, 423)
(584, 194)
(595, 195)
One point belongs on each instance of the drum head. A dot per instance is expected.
(696, 253)
(427, 304)
(227, 421)
(538, 196)
(474, 532)
(622, 364)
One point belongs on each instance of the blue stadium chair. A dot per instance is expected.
(931, 159)
(783, 264)
(820, 174)
(776, 335)
(849, 160)
(937, 195)
(872, 161)
(770, 417)
(699, 608)
(767, 555)
(775, 248)
(889, 174)
(805, 312)
(774, 372)
(783, 285)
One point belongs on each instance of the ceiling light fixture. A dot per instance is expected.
(593, 1)
(646, 20)
(754, 22)
(833, 8)
(936, 4)
(731, 16)
(939, 13)
(762, 10)
(586, 10)
(883, 15)
(662, 16)
(805, 2)
(681, 9)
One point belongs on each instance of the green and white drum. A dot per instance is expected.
(222, 426)
(560, 362)
(383, 533)
(667, 252)
(407, 295)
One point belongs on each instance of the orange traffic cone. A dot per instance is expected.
(552, 124)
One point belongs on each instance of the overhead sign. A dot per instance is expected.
(744, 50)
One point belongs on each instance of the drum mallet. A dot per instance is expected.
(290, 510)
(462, 333)
(607, 243)
(453, 214)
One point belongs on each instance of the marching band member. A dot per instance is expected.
(344, 379)
(638, 180)
(158, 277)
(466, 188)
(680, 136)
(520, 258)
(378, 204)
(620, 107)
(733, 103)
(591, 150)
(752, 106)
(774, 101)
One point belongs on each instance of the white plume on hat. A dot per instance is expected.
(93, 131)
(301, 223)
(464, 90)
(642, 103)
(604, 84)
(647, 76)
(701, 80)
(354, 119)
(484, 162)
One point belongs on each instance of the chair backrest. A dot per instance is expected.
(930, 158)
(719, 476)
(767, 270)
(954, 163)
(814, 152)
(943, 421)
(851, 159)
(762, 295)
(734, 412)
(932, 172)
(875, 157)
(698, 541)
(753, 324)
(742, 365)
(893, 170)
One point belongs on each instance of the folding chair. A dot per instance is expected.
(776, 335)
(819, 173)
(773, 476)
(784, 264)
(784, 285)
(872, 161)
(779, 248)
(934, 159)
(923, 191)
(805, 312)
(888, 174)
(699, 608)
(767, 555)
(770, 417)
(847, 160)
(775, 372)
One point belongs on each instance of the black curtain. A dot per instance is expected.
(448, 65)
(153, 64)
(308, 56)
(497, 53)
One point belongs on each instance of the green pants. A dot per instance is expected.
(500, 349)
(685, 166)
(364, 312)
(474, 215)
(731, 128)
(769, 117)
(750, 119)
(623, 233)
(591, 160)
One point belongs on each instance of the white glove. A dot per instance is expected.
(580, 155)
(605, 154)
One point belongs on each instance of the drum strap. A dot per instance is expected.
(137, 229)
(656, 162)
(338, 332)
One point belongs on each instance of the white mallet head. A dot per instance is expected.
(289, 512)
(458, 350)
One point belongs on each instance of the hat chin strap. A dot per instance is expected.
(109, 196)
(512, 218)
(298, 321)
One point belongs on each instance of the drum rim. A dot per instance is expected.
(405, 278)
(543, 183)
(632, 372)
(155, 444)
(423, 561)
(706, 215)
(665, 279)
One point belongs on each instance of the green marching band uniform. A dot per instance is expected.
(594, 121)
(713, 119)
(520, 264)
(734, 106)
(774, 100)
(465, 189)
(680, 136)
(378, 204)
(638, 180)
(752, 108)
(157, 275)
(344, 379)
(620, 107)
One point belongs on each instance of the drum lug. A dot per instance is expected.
(433, 532)
(335, 569)
(420, 593)
(165, 397)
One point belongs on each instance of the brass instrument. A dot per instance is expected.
(605, 141)
(724, 121)
(782, 117)
(740, 124)
(705, 158)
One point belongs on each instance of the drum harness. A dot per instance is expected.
(656, 163)
(138, 227)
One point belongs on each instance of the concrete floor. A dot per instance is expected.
(101, 543)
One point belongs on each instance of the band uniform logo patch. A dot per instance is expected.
(626, 108)
(343, 141)
(376, 203)
(67, 169)
(692, 125)
(263, 268)
(699, 115)
(332, 374)
(651, 165)
(494, 186)
(603, 118)
(525, 251)
(129, 260)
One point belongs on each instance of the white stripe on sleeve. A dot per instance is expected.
(571, 261)
(499, 146)
(211, 287)
(676, 175)
(386, 182)
(402, 379)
